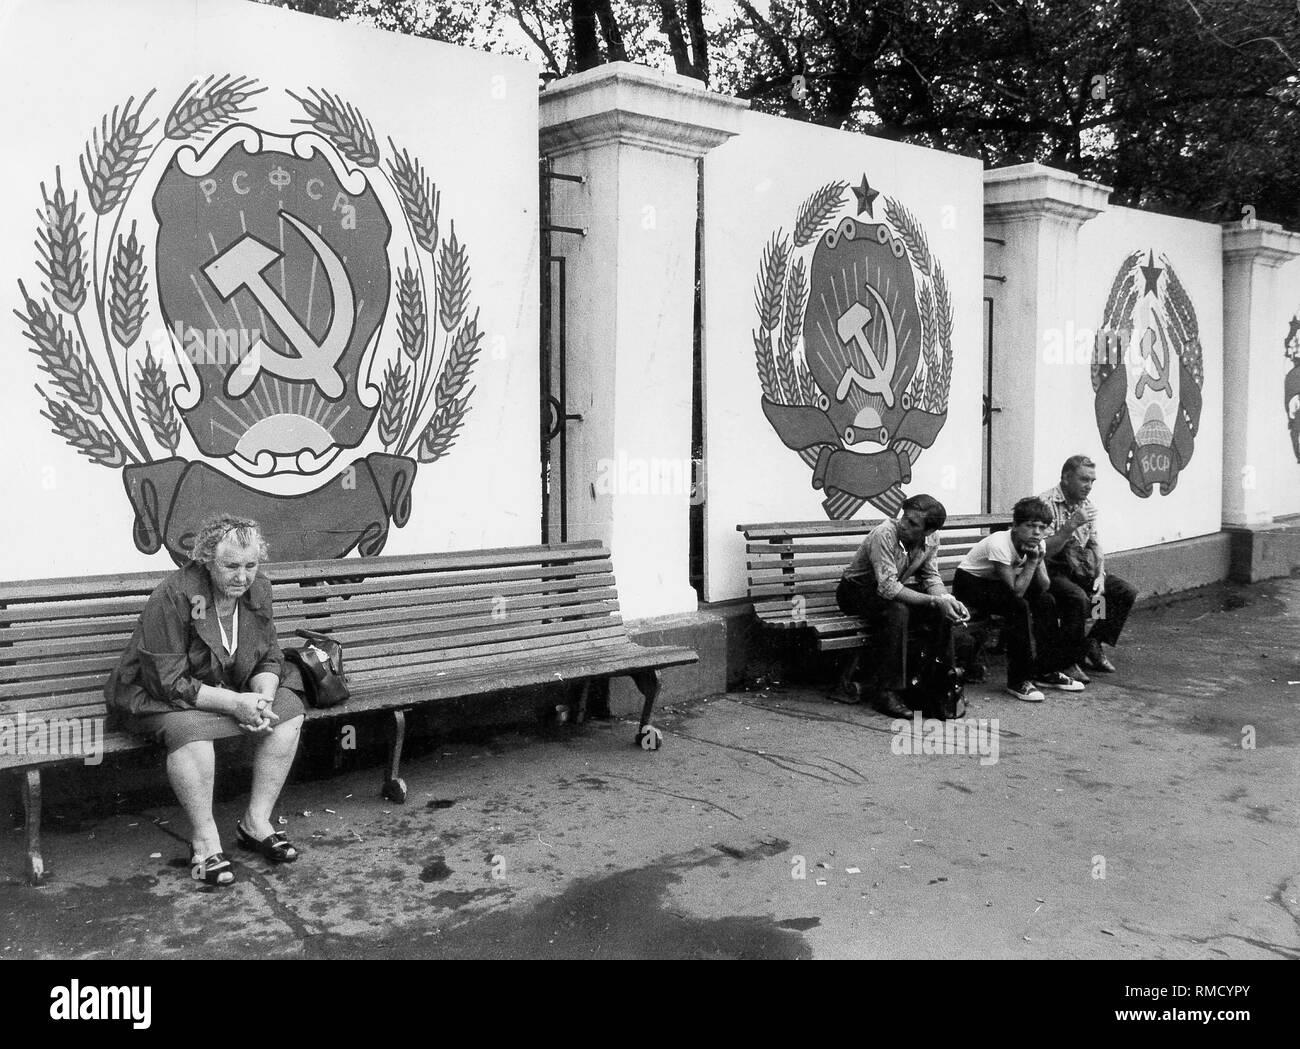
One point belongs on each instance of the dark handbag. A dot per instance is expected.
(321, 663)
(1078, 562)
(934, 688)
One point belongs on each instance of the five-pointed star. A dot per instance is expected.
(1151, 273)
(866, 197)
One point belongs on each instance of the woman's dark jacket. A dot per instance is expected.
(176, 647)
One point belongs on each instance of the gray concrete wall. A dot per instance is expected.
(1264, 551)
(1171, 567)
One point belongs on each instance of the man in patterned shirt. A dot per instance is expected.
(893, 583)
(1077, 569)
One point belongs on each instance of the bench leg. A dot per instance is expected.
(580, 710)
(597, 698)
(32, 826)
(394, 788)
(647, 682)
(849, 676)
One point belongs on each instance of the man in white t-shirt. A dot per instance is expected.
(1004, 575)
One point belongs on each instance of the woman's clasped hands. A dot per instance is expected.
(252, 710)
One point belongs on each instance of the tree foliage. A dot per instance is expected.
(1186, 106)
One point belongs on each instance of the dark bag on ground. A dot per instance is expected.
(321, 664)
(934, 688)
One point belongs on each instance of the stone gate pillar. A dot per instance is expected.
(636, 135)
(1037, 212)
(1253, 423)
(1251, 354)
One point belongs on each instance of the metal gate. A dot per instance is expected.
(990, 409)
(555, 415)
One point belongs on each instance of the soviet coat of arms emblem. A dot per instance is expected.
(1147, 374)
(854, 346)
(256, 377)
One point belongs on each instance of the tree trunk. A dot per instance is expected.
(614, 49)
(699, 38)
(672, 27)
(586, 47)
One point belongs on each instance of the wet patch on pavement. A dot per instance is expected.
(436, 870)
(799, 924)
(759, 850)
(621, 915)
(129, 918)
(454, 900)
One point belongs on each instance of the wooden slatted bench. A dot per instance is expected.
(415, 630)
(795, 568)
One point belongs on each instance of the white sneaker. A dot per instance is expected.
(1058, 680)
(1025, 692)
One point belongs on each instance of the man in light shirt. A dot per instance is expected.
(1004, 575)
(893, 584)
(1077, 570)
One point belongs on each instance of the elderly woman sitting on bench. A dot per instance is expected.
(204, 664)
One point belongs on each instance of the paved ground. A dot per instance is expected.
(577, 845)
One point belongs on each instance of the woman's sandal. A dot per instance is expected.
(275, 847)
(215, 870)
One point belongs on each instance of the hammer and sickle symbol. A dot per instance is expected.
(852, 327)
(1160, 380)
(241, 266)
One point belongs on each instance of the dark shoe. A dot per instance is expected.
(1096, 659)
(891, 703)
(275, 847)
(1025, 692)
(215, 870)
(849, 693)
(1058, 680)
(1077, 673)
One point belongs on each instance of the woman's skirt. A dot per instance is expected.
(176, 728)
